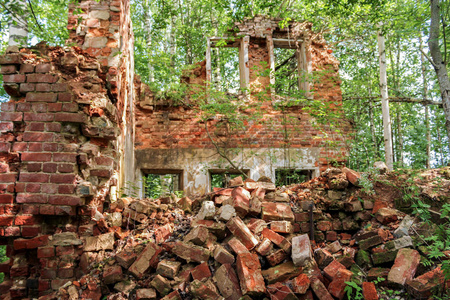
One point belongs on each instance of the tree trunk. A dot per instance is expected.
(424, 96)
(148, 16)
(439, 63)
(399, 138)
(385, 101)
(18, 26)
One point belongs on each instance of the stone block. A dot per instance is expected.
(301, 250)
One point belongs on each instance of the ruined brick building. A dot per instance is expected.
(80, 125)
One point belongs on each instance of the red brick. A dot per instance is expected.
(65, 211)
(65, 97)
(19, 147)
(33, 177)
(5, 147)
(106, 173)
(70, 107)
(66, 168)
(249, 273)
(45, 252)
(52, 147)
(31, 231)
(66, 189)
(8, 106)
(30, 209)
(65, 157)
(31, 198)
(54, 107)
(337, 286)
(31, 243)
(54, 127)
(6, 126)
(6, 220)
(70, 117)
(49, 167)
(237, 246)
(42, 157)
(11, 116)
(41, 97)
(39, 117)
(331, 270)
(43, 87)
(43, 68)
(35, 126)
(62, 178)
(277, 239)
(241, 231)
(241, 201)
(319, 289)
(301, 283)
(33, 188)
(49, 188)
(201, 272)
(38, 137)
(369, 291)
(42, 78)
(27, 87)
(104, 161)
(64, 200)
(9, 69)
(35, 147)
(404, 267)
(39, 107)
(64, 250)
(26, 68)
(47, 210)
(25, 220)
(6, 198)
(20, 187)
(16, 78)
(148, 258)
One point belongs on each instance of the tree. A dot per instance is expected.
(439, 63)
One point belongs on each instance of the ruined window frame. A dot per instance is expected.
(178, 172)
(310, 175)
(212, 172)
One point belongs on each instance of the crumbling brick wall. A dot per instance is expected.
(63, 139)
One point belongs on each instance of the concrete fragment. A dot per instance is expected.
(241, 231)
(405, 266)
(249, 273)
(226, 212)
(227, 282)
(207, 211)
(99, 242)
(404, 227)
(301, 250)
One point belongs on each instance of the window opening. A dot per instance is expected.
(220, 178)
(225, 69)
(286, 73)
(291, 176)
(160, 183)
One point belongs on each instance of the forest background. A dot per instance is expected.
(170, 36)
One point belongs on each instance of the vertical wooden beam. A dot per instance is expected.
(244, 71)
(208, 66)
(270, 49)
(304, 67)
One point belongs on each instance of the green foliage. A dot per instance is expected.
(353, 291)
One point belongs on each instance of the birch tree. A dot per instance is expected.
(439, 62)
(385, 101)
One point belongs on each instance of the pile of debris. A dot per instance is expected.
(252, 241)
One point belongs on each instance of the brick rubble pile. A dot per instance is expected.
(250, 241)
